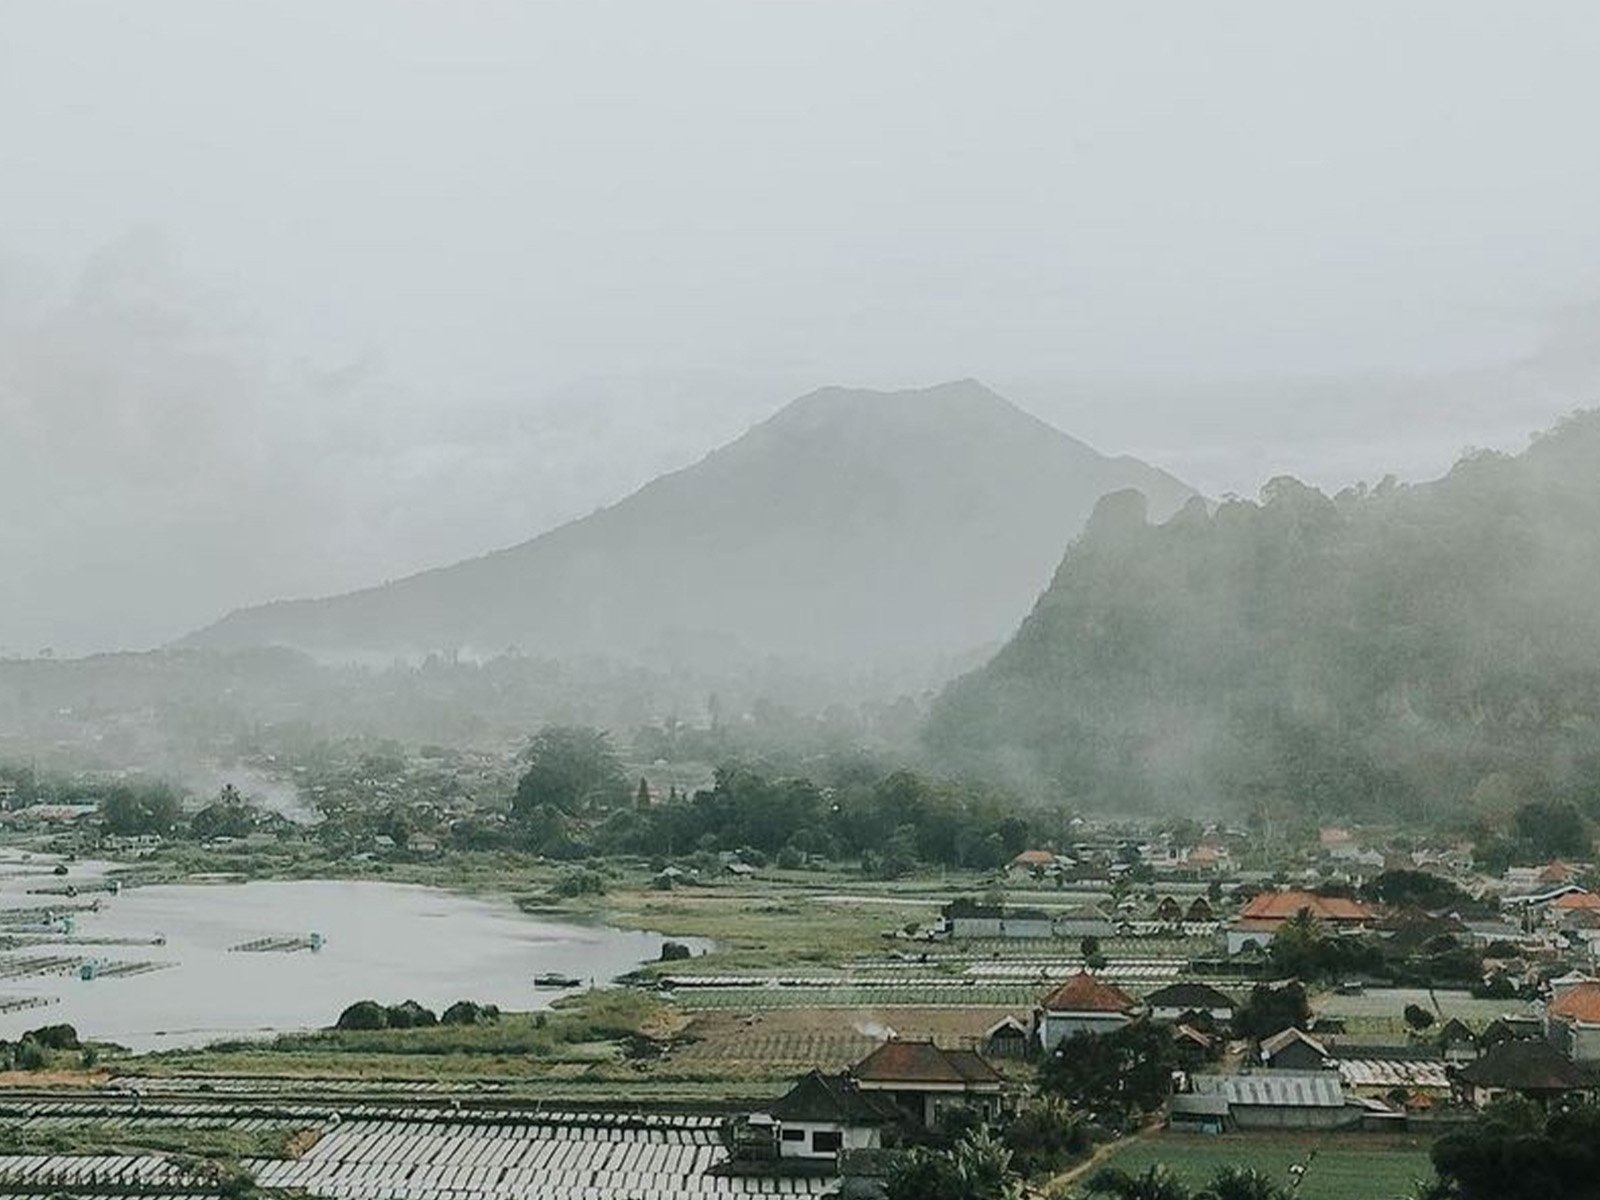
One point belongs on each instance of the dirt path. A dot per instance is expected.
(1057, 1185)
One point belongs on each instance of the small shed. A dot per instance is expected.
(1293, 1050)
(1007, 1038)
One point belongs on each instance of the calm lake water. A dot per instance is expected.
(389, 942)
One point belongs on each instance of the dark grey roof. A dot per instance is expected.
(1188, 995)
(1527, 1065)
(834, 1099)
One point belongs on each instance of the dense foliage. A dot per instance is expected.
(890, 824)
(1270, 1009)
(1113, 1077)
(1404, 652)
(1515, 1151)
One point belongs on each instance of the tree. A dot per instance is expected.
(978, 1168)
(1406, 888)
(1417, 1018)
(1046, 1136)
(410, 1015)
(641, 798)
(226, 816)
(469, 1012)
(1241, 1183)
(1269, 1010)
(1113, 1075)
(1157, 1183)
(570, 769)
(1551, 829)
(1513, 1151)
(363, 1014)
(136, 811)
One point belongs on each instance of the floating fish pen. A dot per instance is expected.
(82, 888)
(43, 914)
(11, 1004)
(97, 969)
(279, 944)
(39, 964)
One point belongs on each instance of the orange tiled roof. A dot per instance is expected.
(1576, 901)
(1579, 1003)
(1281, 906)
(1033, 858)
(1084, 993)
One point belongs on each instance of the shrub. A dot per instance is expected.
(410, 1015)
(468, 1012)
(580, 883)
(673, 951)
(364, 1014)
(55, 1037)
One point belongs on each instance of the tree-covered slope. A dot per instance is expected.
(1405, 651)
(853, 527)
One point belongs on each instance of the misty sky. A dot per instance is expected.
(300, 296)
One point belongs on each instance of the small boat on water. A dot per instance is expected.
(554, 979)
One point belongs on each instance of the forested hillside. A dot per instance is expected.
(1426, 651)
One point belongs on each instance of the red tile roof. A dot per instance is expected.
(923, 1062)
(1575, 901)
(1033, 858)
(1579, 1003)
(1281, 906)
(1084, 993)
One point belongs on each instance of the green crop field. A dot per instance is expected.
(1348, 1167)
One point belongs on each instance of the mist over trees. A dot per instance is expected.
(1403, 652)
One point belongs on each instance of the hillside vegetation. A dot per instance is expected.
(1397, 652)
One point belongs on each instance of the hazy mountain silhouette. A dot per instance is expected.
(1404, 651)
(851, 528)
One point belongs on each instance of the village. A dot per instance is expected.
(1123, 1000)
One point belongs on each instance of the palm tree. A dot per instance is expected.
(1241, 1183)
(1157, 1183)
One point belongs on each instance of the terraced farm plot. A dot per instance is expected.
(1377, 1013)
(955, 992)
(1344, 1168)
(784, 1043)
(664, 1159)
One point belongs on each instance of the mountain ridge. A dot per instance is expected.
(848, 523)
(1404, 650)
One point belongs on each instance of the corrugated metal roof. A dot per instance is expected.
(1277, 1089)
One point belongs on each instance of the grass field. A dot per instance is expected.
(1345, 1167)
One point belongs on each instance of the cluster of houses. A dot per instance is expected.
(967, 919)
(1109, 856)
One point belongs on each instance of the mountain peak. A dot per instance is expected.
(852, 527)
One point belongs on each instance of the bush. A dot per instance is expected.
(468, 1012)
(54, 1037)
(1045, 1137)
(673, 951)
(580, 883)
(791, 859)
(364, 1014)
(410, 1015)
(30, 1056)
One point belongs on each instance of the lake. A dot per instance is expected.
(387, 942)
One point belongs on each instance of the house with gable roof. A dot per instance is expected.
(1083, 1004)
(1529, 1067)
(924, 1080)
(1260, 920)
(823, 1116)
(1572, 1021)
